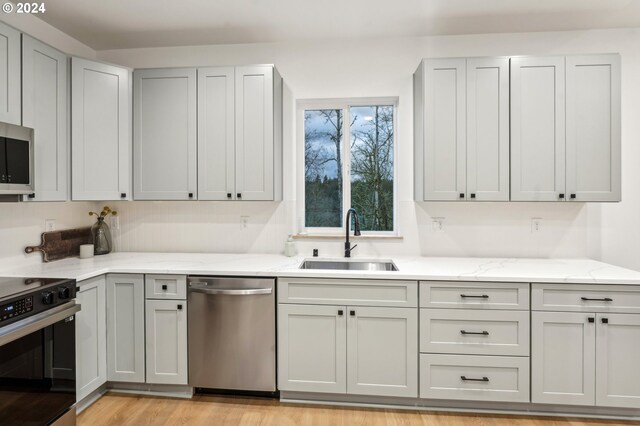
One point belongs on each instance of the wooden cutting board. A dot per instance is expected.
(58, 245)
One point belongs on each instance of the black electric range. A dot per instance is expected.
(37, 351)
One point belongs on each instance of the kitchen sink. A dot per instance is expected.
(350, 265)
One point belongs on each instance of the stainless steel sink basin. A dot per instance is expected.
(350, 265)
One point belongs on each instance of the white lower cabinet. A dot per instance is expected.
(585, 359)
(563, 358)
(474, 332)
(125, 328)
(382, 351)
(312, 348)
(348, 349)
(617, 352)
(166, 332)
(472, 377)
(91, 337)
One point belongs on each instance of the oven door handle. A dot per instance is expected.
(37, 322)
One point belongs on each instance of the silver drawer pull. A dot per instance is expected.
(481, 333)
(471, 296)
(470, 379)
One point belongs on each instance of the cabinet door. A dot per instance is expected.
(382, 351)
(167, 342)
(44, 108)
(91, 337)
(312, 348)
(100, 131)
(164, 141)
(254, 133)
(537, 129)
(216, 134)
(125, 325)
(9, 75)
(563, 358)
(488, 129)
(617, 373)
(445, 130)
(593, 127)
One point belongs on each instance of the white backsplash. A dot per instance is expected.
(22, 223)
(201, 226)
(483, 229)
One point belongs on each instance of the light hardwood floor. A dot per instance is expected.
(119, 409)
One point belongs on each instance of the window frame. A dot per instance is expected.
(344, 104)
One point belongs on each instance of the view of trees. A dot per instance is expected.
(370, 134)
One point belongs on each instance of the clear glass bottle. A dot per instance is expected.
(102, 242)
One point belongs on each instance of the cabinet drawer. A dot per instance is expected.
(165, 286)
(474, 295)
(474, 332)
(479, 378)
(348, 292)
(585, 298)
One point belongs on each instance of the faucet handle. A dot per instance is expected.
(347, 249)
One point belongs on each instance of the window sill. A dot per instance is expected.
(341, 237)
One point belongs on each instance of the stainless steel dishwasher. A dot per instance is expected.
(232, 333)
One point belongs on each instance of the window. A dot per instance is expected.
(349, 163)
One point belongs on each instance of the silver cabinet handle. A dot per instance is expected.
(232, 291)
(37, 322)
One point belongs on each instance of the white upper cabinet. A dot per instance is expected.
(565, 128)
(537, 128)
(440, 111)
(462, 129)
(165, 134)
(239, 133)
(488, 129)
(45, 109)
(216, 134)
(258, 127)
(100, 131)
(541, 128)
(9, 75)
(593, 127)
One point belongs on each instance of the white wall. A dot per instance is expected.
(383, 67)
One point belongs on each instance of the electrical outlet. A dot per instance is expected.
(49, 225)
(536, 224)
(115, 222)
(244, 222)
(437, 224)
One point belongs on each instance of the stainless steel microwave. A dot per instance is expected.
(16, 160)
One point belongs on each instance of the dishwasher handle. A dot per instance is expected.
(196, 287)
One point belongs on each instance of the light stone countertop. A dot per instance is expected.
(271, 265)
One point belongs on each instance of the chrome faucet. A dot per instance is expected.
(356, 231)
